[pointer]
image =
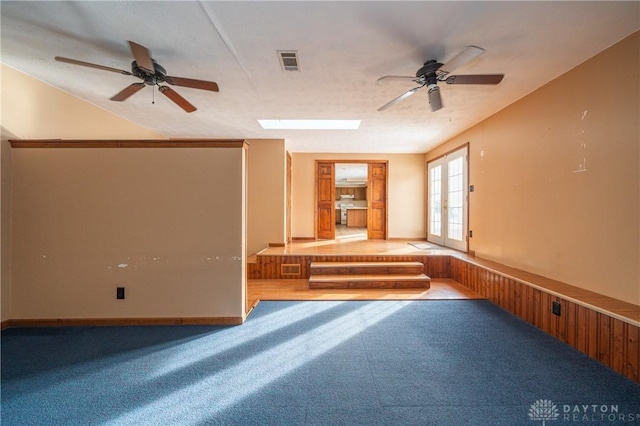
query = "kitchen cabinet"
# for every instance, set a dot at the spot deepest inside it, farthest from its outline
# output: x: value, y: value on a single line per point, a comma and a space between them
x: 358, y: 193
x: 338, y: 216
x: 357, y: 217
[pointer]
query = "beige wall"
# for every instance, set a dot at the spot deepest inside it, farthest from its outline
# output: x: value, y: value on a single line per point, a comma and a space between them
x: 78, y: 214
x: 86, y: 221
x: 556, y: 176
x: 406, y: 194
x: 30, y: 109
x: 267, y: 184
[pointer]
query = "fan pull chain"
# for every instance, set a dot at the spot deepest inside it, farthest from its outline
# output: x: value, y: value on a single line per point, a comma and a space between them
x: 153, y: 97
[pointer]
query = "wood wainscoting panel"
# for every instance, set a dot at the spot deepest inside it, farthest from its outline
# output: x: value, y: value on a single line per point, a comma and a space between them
x: 606, y: 338
x: 632, y: 360
x: 270, y: 267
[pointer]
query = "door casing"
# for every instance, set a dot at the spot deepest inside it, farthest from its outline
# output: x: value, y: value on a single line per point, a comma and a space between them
x: 444, y: 208
x: 377, y: 196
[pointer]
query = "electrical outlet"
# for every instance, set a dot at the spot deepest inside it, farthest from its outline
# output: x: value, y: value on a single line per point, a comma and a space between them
x: 472, y: 188
x: 119, y: 292
x: 556, y: 308
x: 470, y: 234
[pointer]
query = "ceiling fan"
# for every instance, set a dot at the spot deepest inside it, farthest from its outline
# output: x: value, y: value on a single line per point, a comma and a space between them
x: 152, y: 74
x: 432, y: 72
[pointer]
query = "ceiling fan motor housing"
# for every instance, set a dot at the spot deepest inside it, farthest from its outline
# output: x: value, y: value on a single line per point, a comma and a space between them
x: 158, y: 76
x: 429, y: 67
x: 428, y: 72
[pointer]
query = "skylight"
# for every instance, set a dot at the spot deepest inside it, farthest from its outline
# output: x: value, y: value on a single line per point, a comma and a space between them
x: 310, y: 124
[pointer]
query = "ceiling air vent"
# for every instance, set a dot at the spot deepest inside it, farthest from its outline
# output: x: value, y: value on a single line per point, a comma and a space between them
x: 289, y: 60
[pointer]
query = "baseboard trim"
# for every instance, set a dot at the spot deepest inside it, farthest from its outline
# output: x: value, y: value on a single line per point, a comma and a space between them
x: 93, y: 322
x: 303, y: 239
x: 277, y: 244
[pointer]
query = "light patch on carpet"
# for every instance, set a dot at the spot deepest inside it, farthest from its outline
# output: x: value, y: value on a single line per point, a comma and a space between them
x: 184, y: 355
x: 240, y: 380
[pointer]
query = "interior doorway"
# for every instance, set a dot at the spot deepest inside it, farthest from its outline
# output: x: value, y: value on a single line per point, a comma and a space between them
x: 351, y: 199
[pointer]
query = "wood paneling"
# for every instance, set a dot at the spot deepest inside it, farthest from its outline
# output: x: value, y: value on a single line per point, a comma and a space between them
x: 268, y: 267
x: 632, y: 358
x: 611, y: 340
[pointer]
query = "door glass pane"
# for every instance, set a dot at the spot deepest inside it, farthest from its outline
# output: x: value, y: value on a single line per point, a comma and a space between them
x: 435, y: 197
x: 455, y: 198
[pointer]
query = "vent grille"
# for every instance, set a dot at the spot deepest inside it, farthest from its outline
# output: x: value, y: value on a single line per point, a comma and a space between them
x: 289, y: 60
x: 290, y: 269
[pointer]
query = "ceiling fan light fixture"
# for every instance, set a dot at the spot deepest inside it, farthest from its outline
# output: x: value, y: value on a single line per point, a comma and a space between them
x: 434, y: 97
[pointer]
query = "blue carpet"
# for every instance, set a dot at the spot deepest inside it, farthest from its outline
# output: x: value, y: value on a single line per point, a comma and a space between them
x: 313, y: 363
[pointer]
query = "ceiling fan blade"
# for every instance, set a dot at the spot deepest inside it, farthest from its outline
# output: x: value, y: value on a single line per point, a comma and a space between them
x: 434, y: 98
x: 193, y: 83
x: 142, y: 55
x: 175, y: 97
x: 128, y: 91
x: 396, y: 78
x: 475, y: 79
x: 90, y: 65
x: 405, y: 95
x: 467, y: 54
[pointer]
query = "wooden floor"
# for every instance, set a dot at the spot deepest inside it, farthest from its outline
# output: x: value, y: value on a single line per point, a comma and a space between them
x: 441, y: 288
x: 358, y: 245
x: 298, y: 289
x: 344, y: 231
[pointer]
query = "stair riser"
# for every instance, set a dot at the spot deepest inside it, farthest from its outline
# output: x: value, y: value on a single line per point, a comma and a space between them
x: 370, y: 284
x: 366, y: 270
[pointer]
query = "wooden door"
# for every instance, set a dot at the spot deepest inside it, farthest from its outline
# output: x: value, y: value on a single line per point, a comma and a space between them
x: 377, y: 202
x: 288, y: 189
x: 325, y: 201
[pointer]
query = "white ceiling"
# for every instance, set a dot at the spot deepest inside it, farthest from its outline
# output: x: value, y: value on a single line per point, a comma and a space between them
x: 348, y: 172
x: 343, y: 48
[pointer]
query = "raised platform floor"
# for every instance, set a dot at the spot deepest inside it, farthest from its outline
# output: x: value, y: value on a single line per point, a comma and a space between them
x: 437, y: 265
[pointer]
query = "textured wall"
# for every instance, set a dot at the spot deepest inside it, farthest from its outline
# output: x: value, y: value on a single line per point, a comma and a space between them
x: 557, y: 181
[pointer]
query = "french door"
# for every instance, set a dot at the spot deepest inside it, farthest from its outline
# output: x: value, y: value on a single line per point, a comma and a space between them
x: 448, y: 198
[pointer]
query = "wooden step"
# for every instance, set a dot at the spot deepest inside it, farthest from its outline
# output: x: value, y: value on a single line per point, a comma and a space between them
x: 360, y: 268
x: 363, y: 281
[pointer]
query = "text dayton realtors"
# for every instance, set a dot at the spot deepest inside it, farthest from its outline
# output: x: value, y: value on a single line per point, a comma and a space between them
x: 596, y: 413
